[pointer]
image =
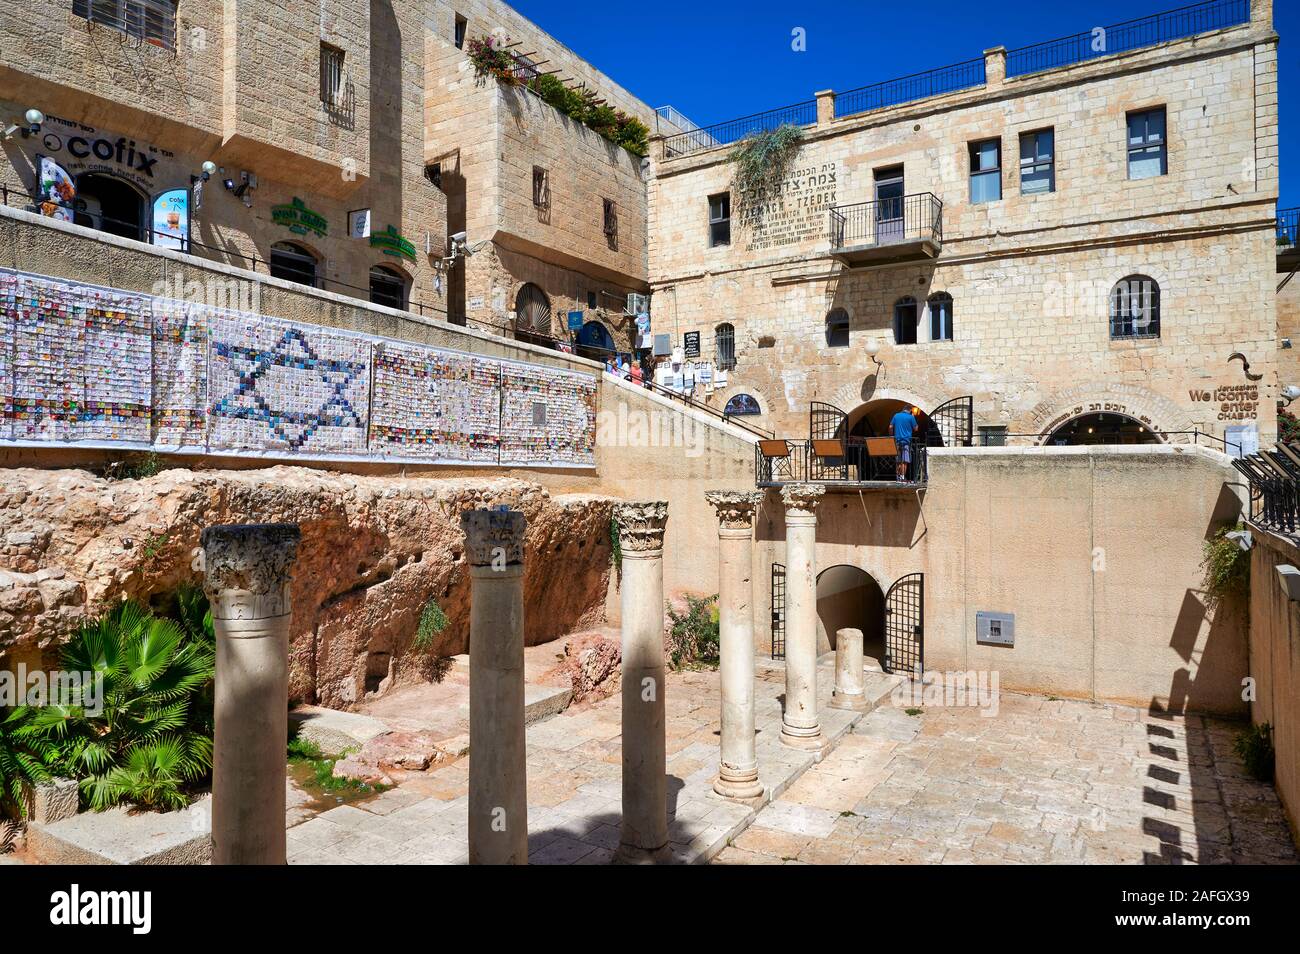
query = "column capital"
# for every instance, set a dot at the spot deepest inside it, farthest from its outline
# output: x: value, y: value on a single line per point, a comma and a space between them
x: 494, y: 538
x: 249, y: 558
x: 802, y: 497
x: 735, y: 507
x: 641, y: 525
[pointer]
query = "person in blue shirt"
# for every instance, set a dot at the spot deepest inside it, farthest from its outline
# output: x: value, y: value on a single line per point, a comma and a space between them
x: 902, y: 427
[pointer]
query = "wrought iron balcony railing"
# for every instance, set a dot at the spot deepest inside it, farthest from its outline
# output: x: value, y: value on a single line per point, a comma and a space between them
x: 908, y: 218
x: 1274, y: 478
x: 851, y: 461
x: 1288, y: 230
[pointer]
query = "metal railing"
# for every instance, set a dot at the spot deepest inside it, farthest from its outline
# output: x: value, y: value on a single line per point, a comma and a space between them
x: 1274, y: 478
x: 722, y: 134
x: 1129, y: 35
x: 802, y: 464
x: 907, y: 89
x: 908, y: 218
x: 150, y: 21
x: 711, y: 411
x: 1288, y: 229
x: 1003, y: 439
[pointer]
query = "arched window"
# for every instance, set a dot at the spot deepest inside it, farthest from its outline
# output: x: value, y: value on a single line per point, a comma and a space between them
x: 387, y: 287
x: 532, y: 311
x: 724, y: 344
x: 940, y: 317
x: 293, y: 263
x: 837, y: 329
x: 905, y: 321
x: 1135, y: 308
x: 741, y: 405
x: 109, y: 204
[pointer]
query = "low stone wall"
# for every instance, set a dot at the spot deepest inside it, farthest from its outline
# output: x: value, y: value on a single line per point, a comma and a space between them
x: 1275, y: 661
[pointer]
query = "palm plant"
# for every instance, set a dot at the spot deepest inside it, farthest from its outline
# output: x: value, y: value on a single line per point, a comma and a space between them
x: 147, y: 674
x: 24, y: 756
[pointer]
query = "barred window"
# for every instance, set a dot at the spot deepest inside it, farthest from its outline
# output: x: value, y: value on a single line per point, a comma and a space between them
x: 541, y: 188
x: 151, y: 21
x: 611, y: 223
x: 724, y: 343
x: 1135, y: 308
x: 331, y: 75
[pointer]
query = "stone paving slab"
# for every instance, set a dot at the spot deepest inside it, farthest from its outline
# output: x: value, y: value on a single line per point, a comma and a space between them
x: 575, y: 789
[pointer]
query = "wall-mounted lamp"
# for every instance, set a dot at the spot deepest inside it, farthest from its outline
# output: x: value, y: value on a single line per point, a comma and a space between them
x: 30, y: 126
x: 873, y: 349
x: 208, y: 168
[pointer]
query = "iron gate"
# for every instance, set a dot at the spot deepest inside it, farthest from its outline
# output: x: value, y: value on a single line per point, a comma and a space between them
x: 826, y: 422
x: 905, y: 625
x: 778, y: 610
x: 953, y: 423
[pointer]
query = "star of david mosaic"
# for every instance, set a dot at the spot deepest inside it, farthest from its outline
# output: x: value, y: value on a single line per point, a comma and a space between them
x: 290, y: 388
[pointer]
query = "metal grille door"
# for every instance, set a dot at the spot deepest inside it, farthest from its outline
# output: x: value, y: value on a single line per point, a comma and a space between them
x: 905, y: 625
x: 778, y: 611
x: 953, y: 423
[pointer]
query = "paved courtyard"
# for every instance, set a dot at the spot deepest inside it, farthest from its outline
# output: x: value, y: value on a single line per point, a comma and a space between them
x: 1043, y: 781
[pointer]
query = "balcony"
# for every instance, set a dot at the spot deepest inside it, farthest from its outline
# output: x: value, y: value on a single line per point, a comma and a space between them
x: 850, y: 464
x: 1288, y: 239
x: 889, y: 231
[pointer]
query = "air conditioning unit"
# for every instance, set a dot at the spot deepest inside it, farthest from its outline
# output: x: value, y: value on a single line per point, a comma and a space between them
x: 637, y: 304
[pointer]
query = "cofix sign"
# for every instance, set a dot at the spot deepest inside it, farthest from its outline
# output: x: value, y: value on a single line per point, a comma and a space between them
x: 81, y: 148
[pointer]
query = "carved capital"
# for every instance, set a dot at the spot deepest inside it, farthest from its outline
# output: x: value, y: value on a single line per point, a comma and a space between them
x: 246, y: 569
x: 641, y: 525
x: 494, y: 538
x: 802, y: 497
x: 735, y: 507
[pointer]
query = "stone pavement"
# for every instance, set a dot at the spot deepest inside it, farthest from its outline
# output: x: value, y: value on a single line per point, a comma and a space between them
x: 574, y: 785
x: 1043, y: 781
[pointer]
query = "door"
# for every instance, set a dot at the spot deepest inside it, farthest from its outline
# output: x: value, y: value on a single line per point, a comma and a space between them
x: 889, y: 206
x: 952, y: 423
x: 778, y: 610
x: 905, y: 625
x: 828, y: 423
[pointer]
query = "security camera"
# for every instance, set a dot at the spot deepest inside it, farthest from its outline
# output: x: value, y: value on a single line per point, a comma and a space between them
x: 458, y: 238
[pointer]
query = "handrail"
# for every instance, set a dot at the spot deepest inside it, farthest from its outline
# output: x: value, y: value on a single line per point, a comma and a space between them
x: 910, y: 88
x: 754, y: 429
x: 733, y: 130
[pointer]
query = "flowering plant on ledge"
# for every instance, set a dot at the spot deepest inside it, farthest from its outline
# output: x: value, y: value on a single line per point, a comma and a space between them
x: 491, y: 58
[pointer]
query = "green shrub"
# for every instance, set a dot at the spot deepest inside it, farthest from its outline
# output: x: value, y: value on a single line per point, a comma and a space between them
x: 432, y: 622
x: 763, y: 161
x: 1226, y: 567
x: 693, y: 639
x: 24, y: 757
x: 1254, y: 746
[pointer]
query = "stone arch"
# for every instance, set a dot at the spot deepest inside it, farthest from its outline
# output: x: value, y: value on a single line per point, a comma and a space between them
x: 1156, y: 412
x: 850, y: 596
x: 722, y: 396
x: 850, y: 397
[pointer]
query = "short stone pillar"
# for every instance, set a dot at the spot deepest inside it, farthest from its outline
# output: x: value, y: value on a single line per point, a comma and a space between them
x: 644, y: 836
x: 800, y: 727
x: 738, y: 763
x: 246, y: 578
x: 498, y: 780
x: 825, y: 106
x: 995, y: 66
x: 850, y: 687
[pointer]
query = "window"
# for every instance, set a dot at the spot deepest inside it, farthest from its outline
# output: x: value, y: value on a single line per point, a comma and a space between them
x: 387, y: 287
x: 152, y: 21
x: 742, y: 405
x: 1135, y: 308
x: 433, y: 172
x: 940, y: 317
x: 724, y: 343
x: 1037, y: 162
x: 293, y: 263
x: 462, y: 25
x: 541, y: 188
x: 986, y: 170
x: 719, y: 219
x: 1147, y: 150
x: 611, y: 223
x: 591, y: 300
x: 837, y: 329
x: 993, y: 436
x: 331, y: 75
x: 905, y: 321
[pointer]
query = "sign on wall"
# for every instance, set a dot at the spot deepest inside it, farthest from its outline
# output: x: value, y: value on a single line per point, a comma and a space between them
x: 171, y: 220
x: 391, y: 242
x: 359, y: 223
x: 692, y: 342
x: 79, y: 148
x: 298, y: 219
x: 798, y: 211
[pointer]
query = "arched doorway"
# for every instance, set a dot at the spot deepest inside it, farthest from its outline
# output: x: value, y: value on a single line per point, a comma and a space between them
x: 387, y: 287
x: 533, y: 315
x: 849, y: 598
x: 293, y: 263
x: 1102, y: 428
x: 595, y: 342
x: 109, y: 204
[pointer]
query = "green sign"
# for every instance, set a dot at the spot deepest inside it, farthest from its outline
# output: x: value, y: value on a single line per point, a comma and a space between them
x: 393, y: 243
x: 299, y: 219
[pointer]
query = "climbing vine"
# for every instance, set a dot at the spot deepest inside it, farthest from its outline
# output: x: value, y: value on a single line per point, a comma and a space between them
x: 1226, y: 566
x: 763, y: 161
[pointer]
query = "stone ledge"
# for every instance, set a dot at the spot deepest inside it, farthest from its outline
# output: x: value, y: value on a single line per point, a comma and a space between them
x: 121, y: 836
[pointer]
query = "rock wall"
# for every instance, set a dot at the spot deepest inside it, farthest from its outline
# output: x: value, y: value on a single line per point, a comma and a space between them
x: 375, y: 550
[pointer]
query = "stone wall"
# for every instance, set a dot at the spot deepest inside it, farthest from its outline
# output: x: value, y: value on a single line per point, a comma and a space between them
x: 1095, y: 550
x: 1275, y: 660
x: 1030, y: 276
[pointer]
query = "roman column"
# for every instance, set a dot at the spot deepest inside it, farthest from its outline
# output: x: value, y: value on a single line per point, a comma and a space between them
x: 246, y: 578
x: 850, y: 687
x: 738, y: 764
x: 498, y: 781
x: 644, y: 836
x: 799, y: 725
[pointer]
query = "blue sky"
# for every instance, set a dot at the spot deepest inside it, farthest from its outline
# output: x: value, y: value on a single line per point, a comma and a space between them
x: 725, y: 59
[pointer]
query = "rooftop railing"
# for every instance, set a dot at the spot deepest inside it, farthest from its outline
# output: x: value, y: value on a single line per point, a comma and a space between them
x: 724, y: 134
x: 907, y: 89
x: 1129, y: 35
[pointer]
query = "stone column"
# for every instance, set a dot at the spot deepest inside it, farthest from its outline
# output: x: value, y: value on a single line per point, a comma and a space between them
x: 995, y: 66
x: 799, y: 725
x: 644, y: 836
x: 498, y: 781
x: 738, y: 766
x: 850, y: 687
x: 246, y: 578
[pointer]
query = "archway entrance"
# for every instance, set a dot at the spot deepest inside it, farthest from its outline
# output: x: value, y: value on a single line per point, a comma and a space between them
x: 872, y: 419
x: 848, y: 597
x: 109, y: 204
x: 595, y: 342
x: 1103, y: 428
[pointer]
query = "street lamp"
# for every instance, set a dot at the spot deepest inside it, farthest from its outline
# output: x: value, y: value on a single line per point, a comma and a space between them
x: 873, y: 349
x: 34, y: 119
